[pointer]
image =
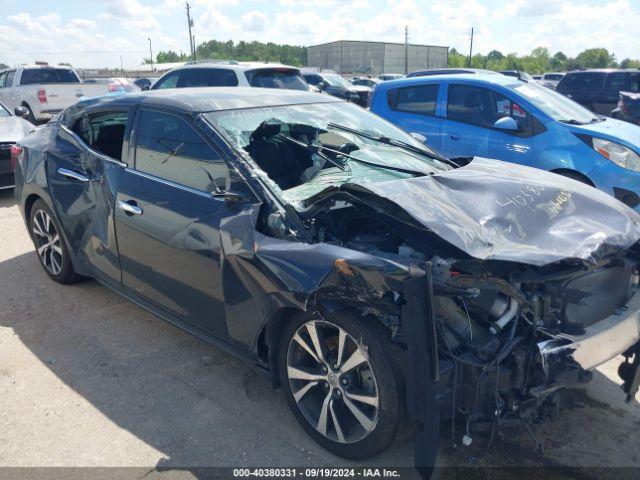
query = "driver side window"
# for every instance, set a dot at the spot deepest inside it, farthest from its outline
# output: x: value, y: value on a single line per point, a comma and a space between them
x: 169, y: 148
x: 483, y: 107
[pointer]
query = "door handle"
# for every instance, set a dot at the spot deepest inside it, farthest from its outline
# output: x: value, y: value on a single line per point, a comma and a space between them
x: 73, y: 175
x: 130, y: 207
x: 454, y: 136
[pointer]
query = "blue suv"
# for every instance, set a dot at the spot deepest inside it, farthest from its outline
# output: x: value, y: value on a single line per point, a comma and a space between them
x: 507, y: 119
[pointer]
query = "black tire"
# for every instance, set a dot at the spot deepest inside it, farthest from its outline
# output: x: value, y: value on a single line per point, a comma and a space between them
x: 55, y: 258
x: 388, y: 413
x: 30, y: 116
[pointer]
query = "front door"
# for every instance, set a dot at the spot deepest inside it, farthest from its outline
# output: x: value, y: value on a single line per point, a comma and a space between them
x: 167, y: 221
x: 469, y: 129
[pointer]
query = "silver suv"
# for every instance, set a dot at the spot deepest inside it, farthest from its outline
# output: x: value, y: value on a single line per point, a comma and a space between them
x: 212, y: 73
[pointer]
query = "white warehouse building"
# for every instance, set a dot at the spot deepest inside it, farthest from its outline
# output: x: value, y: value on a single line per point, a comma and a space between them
x: 359, y: 57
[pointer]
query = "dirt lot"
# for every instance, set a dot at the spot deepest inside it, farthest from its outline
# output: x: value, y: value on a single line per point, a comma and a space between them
x: 88, y: 379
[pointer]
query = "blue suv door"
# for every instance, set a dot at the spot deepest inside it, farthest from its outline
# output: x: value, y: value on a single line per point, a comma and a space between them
x: 471, y: 113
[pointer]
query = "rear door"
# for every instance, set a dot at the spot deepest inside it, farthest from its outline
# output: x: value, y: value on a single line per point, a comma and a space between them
x: 414, y: 109
x: 469, y: 130
x: 167, y: 220
x: 84, y: 164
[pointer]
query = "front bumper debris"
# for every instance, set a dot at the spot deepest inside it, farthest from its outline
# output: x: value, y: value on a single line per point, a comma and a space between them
x: 599, y: 343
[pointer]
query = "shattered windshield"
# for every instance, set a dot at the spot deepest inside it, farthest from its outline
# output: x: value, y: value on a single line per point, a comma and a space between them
x: 305, y: 149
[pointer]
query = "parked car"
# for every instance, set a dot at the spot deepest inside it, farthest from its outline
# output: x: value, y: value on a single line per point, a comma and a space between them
x: 43, y: 90
x: 536, y: 77
x: 367, y: 274
x: 599, y: 89
x: 366, y: 82
x: 213, y: 73
x: 335, y: 85
x: 519, y: 74
x: 389, y: 76
x: 497, y: 117
x: 12, y: 128
x: 551, y: 79
x: 449, y: 71
x: 145, y: 83
x: 628, y: 108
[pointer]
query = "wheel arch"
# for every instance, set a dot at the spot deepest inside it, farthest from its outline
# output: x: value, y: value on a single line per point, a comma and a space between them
x: 269, y: 337
x: 576, y: 175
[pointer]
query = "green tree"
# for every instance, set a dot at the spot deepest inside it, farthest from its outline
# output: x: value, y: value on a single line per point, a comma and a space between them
x: 595, y: 58
x: 558, y: 62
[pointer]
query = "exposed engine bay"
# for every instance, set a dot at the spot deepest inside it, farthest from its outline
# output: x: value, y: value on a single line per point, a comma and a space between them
x: 505, y: 330
x: 535, y: 278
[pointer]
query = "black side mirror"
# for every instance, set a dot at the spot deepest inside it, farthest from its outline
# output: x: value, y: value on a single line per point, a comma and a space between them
x: 231, y: 197
x: 21, y: 111
x: 145, y: 87
x: 321, y: 86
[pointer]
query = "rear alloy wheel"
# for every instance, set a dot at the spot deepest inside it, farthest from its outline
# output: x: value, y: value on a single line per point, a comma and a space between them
x: 341, y: 389
x: 50, y: 246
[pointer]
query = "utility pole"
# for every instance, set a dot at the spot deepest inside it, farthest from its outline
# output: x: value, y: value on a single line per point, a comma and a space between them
x: 406, y: 49
x: 471, y: 47
x: 194, y: 47
x: 150, y: 53
x: 190, y: 24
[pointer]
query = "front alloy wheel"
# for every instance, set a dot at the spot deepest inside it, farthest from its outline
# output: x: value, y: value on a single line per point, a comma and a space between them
x: 340, y: 384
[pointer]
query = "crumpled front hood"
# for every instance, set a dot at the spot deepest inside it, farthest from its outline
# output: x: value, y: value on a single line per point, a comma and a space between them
x: 494, y: 210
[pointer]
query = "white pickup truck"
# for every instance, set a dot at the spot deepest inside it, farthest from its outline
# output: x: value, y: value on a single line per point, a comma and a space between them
x: 43, y: 90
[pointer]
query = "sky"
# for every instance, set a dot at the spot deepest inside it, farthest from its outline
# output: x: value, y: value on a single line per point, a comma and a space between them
x: 111, y: 33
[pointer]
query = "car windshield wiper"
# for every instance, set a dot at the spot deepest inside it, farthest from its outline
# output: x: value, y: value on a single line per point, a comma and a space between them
x: 319, y: 149
x: 394, y: 142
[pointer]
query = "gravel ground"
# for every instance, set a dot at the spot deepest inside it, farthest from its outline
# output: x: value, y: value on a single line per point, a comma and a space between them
x: 88, y: 379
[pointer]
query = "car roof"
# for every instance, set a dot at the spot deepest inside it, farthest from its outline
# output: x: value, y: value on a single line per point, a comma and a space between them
x: 207, y: 99
x: 478, y: 78
x: 604, y: 70
x: 451, y: 70
x: 232, y: 65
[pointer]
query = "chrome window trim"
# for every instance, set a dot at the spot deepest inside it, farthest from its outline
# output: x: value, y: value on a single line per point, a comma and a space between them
x: 169, y: 183
x: 93, y: 152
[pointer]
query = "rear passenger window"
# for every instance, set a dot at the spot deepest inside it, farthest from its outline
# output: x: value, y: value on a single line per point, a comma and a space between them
x: 207, y: 77
x: 103, y: 132
x: 621, y: 81
x: 169, y: 148
x: 276, y: 78
x: 420, y: 99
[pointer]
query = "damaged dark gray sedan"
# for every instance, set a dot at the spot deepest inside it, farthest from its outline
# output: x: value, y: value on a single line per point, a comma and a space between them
x: 374, y: 279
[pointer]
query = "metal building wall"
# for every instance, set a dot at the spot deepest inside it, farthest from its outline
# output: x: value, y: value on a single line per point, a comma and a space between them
x: 353, y: 57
